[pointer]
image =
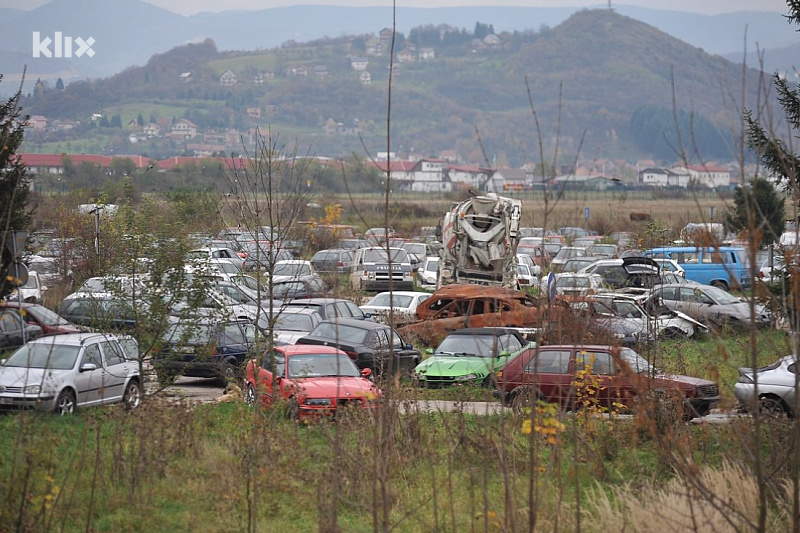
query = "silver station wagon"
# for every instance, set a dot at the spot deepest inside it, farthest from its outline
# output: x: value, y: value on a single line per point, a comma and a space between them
x: 60, y: 373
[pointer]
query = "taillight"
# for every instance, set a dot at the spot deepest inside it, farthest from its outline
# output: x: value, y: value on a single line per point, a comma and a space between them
x: 760, y: 274
x: 353, y: 355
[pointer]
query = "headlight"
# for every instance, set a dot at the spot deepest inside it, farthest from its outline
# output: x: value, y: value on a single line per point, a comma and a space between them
x: 467, y: 377
x: 318, y: 401
x: 32, y: 389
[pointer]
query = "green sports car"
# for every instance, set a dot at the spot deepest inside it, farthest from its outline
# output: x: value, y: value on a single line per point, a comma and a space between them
x: 472, y: 355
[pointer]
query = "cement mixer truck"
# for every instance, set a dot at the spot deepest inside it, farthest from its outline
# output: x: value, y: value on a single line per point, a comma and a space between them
x: 480, y: 237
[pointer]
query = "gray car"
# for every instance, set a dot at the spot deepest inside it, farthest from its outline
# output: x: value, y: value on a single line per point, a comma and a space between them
x: 709, y: 305
x: 776, y: 391
x: 60, y: 373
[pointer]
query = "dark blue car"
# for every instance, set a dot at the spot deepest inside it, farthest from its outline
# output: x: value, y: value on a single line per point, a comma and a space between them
x: 206, y: 349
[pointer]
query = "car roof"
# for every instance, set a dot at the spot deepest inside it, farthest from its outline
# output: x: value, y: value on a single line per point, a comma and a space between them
x: 496, y: 331
x: 73, y: 339
x: 316, y: 301
x: 354, y: 322
x: 404, y: 293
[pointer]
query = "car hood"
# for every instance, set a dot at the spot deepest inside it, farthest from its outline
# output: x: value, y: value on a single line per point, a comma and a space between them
x: 337, y: 387
x: 15, y: 376
x: 289, y: 337
x: 443, y: 365
x: 686, y: 380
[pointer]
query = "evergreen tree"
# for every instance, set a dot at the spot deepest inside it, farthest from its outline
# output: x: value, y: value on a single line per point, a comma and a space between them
x: 14, y: 182
x: 59, y: 84
x: 759, y: 199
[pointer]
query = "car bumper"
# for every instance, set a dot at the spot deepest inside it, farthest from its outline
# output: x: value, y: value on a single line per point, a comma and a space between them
x: 381, y: 286
x: 702, y: 406
x: 203, y: 369
x: 21, y: 403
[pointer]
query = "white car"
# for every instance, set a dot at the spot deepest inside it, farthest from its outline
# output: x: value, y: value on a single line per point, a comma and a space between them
x: 404, y: 304
x: 525, y: 259
x: 428, y: 273
x: 32, y: 291
x: 290, y: 323
x: 207, y: 253
x: 525, y: 277
x: 289, y: 269
x: 60, y: 373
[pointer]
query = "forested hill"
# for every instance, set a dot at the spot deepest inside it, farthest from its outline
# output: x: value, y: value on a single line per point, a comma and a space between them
x: 598, y: 70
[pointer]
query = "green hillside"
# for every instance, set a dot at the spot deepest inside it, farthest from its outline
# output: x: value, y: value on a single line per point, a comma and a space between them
x: 594, y: 71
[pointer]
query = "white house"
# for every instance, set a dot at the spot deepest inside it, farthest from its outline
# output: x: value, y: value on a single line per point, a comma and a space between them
x: 664, y: 177
x: 359, y: 63
x: 183, y: 129
x: 710, y: 175
x: 227, y: 79
x: 426, y: 54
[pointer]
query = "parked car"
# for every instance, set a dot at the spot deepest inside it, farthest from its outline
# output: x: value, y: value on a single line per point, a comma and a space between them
x: 404, y: 304
x: 333, y: 261
x: 573, y: 232
x: 472, y: 355
x: 15, y: 331
x: 60, y: 373
x: 455, y: 307
x: 207, y: 253
x: 290, y: 323
x: 564, y: 254
x: 50, y: 321
x: 289, y: 269
x: 352, y: 244
x: 776, y: 391
x: 663, y: 322
x: 378, y: 236
x: 102, y: 312
x: 725, y: 267
x: 576, y: 264
x: 418, y: 251
x: 712, y: 306
x: 428, y: 273
x: 378, y: 269
x: 578, y: 284
x: 370, y: 344
x: 619, y: 376
x: 260, y: 255
x: 205, y: 348
x: 330, y: 307
x: 305, y: 287
x: 603, y: 250
x: 32, y: 291
x: 636, y: 272
x: 314, y: 380
x: 525, y: 277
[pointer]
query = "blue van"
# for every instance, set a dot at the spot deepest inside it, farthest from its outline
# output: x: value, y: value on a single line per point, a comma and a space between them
x: 725, y: 267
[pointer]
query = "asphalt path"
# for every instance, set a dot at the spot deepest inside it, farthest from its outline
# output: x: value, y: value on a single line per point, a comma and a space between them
x: 199, y: 390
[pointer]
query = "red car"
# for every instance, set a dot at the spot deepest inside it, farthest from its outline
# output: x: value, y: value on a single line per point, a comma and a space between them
x: 316, y: 380
x: 50, y: 322
x: 612, y: 376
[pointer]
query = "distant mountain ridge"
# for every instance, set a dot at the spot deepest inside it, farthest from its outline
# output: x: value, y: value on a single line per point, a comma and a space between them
x: 588, y: 76
x: 129, y: 32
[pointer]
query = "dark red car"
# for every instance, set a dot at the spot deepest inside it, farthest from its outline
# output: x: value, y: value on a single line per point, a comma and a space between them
x: 611, y: 376
x: 51, y: 322
x: 316, y: 381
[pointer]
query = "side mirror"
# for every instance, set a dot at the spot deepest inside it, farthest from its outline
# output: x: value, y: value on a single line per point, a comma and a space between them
x: 408, y: 346
x: 88, y: 367
x: 366, y: 373
x: 367, y: 315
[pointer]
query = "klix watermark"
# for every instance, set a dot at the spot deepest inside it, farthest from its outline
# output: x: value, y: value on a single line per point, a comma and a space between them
x: 62, y: 46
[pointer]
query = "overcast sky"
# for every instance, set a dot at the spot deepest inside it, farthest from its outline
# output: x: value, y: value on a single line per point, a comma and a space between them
x: 710, y: 7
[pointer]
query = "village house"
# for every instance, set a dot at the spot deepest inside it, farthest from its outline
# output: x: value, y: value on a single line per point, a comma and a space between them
x: 254, y: 112
x: 468, y: 176
x: 359, y: 63
x: 663, y: 177
x: 710, y: 175
x: 365, y: 78
x: 228, y: 79
x: 38, y: 122
x: 385, y: 35
x: 320, y: 71
x: 152, y: 130
x: 405, y: 56
x: 185, y: 77
x: 374, y: 49
x: 183, y: 129
x: 426, y: 54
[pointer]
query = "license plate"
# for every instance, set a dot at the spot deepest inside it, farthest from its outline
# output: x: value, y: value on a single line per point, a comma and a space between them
x: 6, y: 401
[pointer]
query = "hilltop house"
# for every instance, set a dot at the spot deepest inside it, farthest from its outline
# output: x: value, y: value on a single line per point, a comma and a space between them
x: 227, y: 79
x: 359, y: 63
x: 425, y: 54
x: 183, y: 129
x: 38, y: 122
x: 365, y: 78
x: 405, y: 56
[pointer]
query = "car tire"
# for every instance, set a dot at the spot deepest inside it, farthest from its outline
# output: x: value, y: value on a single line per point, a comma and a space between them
x: 771, y: 406
x: 229, y: 373
x: 524, y: 400
x: 250, y: 395
x: 720, y: 285
x: 672, y: 333
x: 293, y: 410
x: 133, y: 395
x: 66, y: 403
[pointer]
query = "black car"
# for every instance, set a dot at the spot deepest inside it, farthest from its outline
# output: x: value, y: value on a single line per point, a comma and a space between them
x: 102, y: 312
x: 14, y: 331
x: 205, y: 349
x: 303, y: 287
x: 370, y: 344
x: 330, y: 307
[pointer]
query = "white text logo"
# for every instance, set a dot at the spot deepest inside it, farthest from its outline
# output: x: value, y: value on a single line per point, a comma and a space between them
x: 62, y: 46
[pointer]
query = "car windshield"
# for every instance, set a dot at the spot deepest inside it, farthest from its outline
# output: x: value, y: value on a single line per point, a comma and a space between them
x: 720, y: 296
x: 432, y: 265
x: 376, y: 255
x: 573, y: 282
x: 637, y: 363
x: 294, y: 322
x: 321, y: 365
x: 288, y: 289
x: 475, y: 345
x: 382, y: 300
x: 340, y: 333
x: 187, y: 332
x: 292, y: 269
x: 44, y: 355
x: 568, y: 253
x: 47, y: 317
x: 32, y: 283
x: 418, y: 249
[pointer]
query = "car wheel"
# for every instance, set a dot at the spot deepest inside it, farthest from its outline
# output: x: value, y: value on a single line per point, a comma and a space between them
x: 672, y: 333
x: 720, y: 285
x: 228, y: 373
x: 523, y: 401
x: 293, y: 411
x: 65, y: 404
x: 133, y: 396
x: 250, y: 395
x: 489, y: 382
x: 771, y: 406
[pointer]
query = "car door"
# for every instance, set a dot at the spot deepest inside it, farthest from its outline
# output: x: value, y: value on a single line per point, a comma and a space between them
x: 11, y: 328
x: 694, y: 303
x: 116, y: 372
x: 599, y: 381
x: 550, y: 373
x: 406, y: 358
x: 89, y: 381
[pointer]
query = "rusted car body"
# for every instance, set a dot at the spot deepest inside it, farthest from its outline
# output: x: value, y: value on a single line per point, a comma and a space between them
x: 455, y: 307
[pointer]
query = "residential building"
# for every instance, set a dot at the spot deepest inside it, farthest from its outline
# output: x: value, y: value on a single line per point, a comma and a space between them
x: 365, y: 78
x: 183, y: 129
x: 227, y: 79
x: 426, y: 54
x: 359, y: 63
